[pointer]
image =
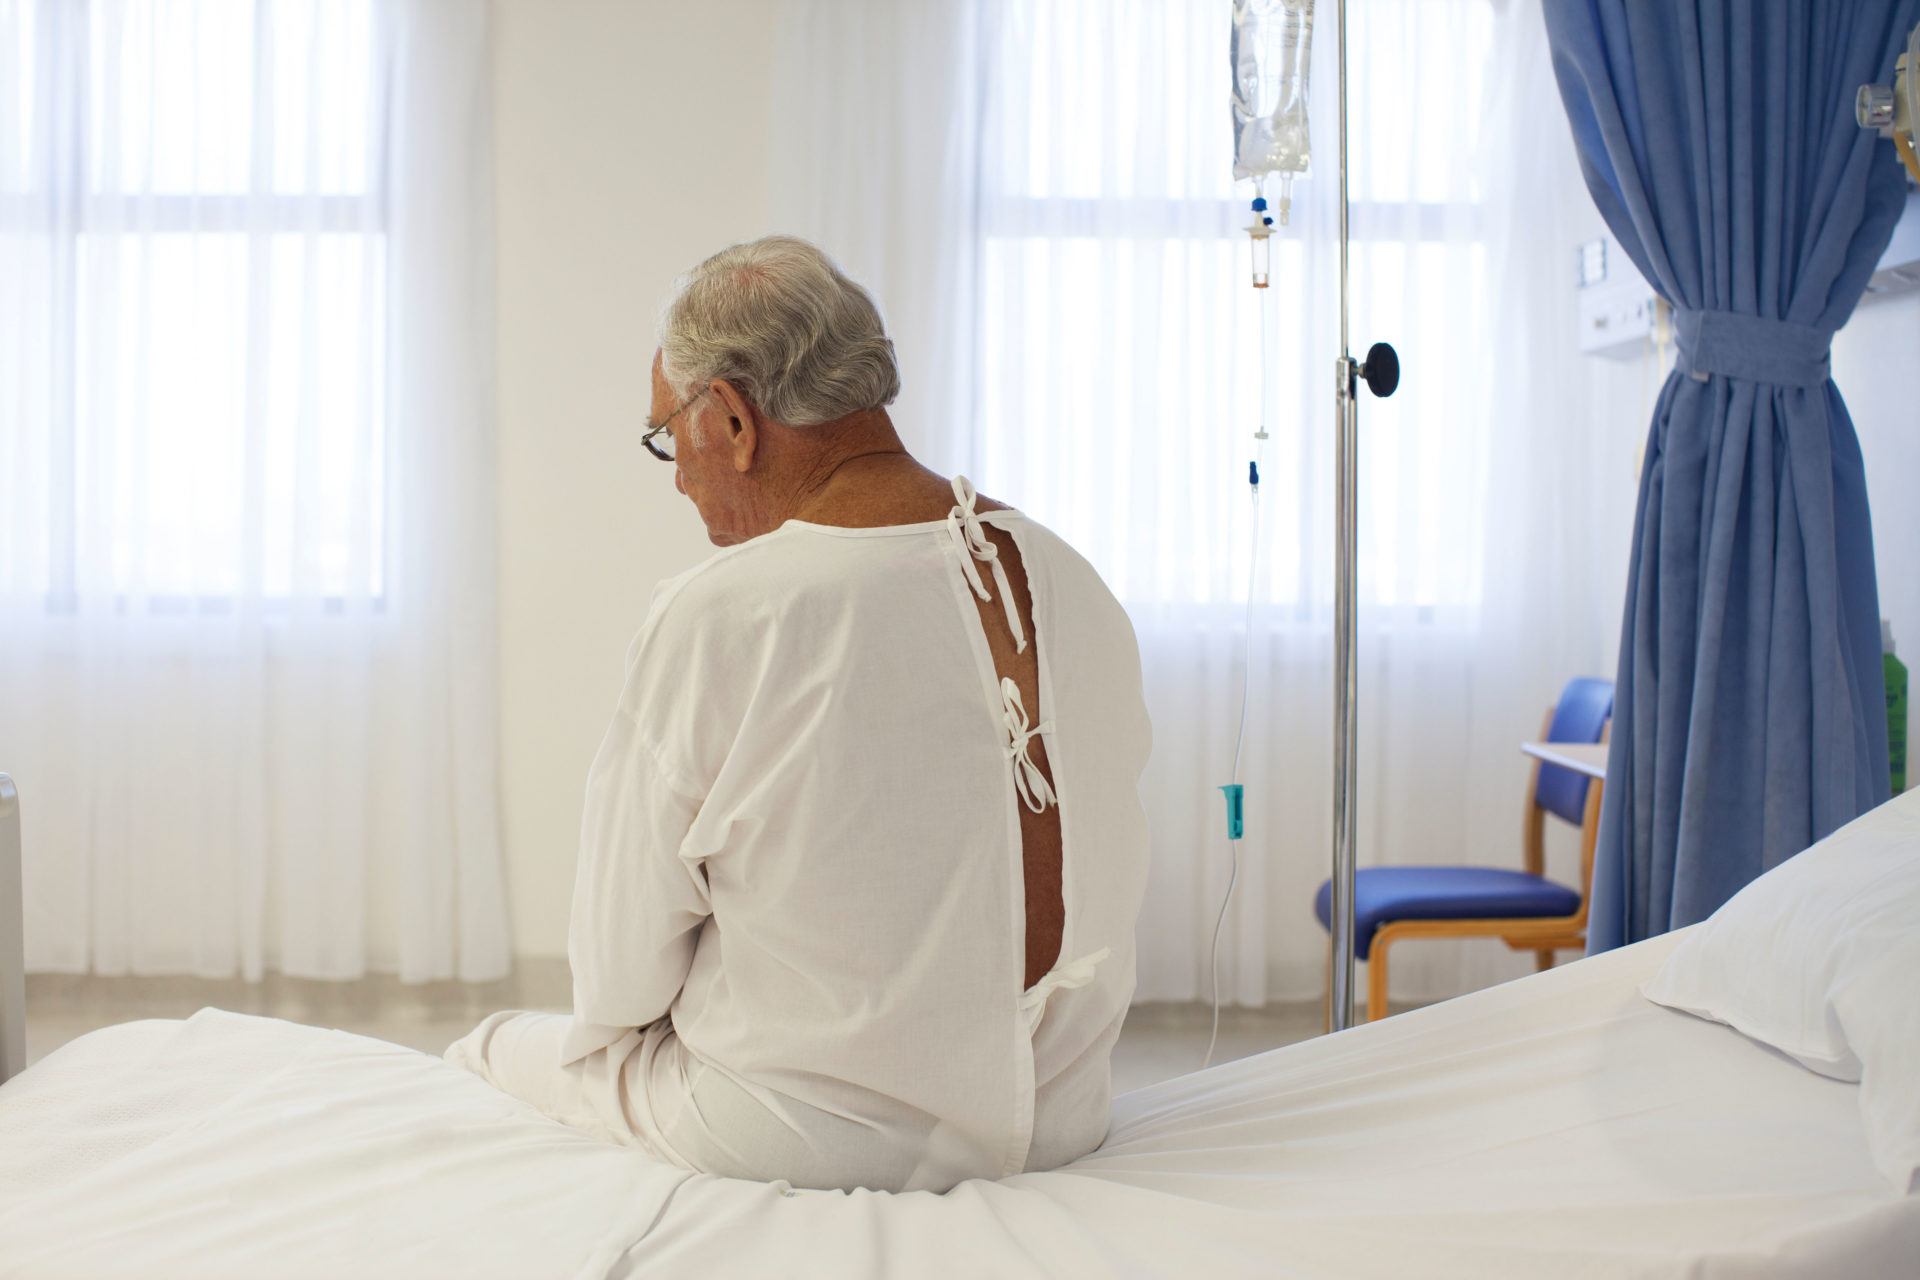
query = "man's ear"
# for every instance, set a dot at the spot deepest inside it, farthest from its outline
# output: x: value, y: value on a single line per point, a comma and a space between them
x: 742, y: 427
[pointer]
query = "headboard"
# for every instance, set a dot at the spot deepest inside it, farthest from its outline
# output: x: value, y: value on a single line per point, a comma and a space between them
x: 13, y: 979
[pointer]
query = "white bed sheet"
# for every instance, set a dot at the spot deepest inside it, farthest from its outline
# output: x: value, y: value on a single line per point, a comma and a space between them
x: 1560, y: 1125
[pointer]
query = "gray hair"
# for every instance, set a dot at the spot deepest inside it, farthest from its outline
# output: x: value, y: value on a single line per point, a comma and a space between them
x: 777, y: 319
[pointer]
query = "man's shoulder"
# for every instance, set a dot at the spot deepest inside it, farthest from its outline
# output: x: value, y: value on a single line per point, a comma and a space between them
x: 1061, y: 557
x: 750, y: 569
x: 732, y: 596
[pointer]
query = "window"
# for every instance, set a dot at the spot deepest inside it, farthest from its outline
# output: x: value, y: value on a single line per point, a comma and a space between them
x: 192, y: 219
x: 1123, y: 345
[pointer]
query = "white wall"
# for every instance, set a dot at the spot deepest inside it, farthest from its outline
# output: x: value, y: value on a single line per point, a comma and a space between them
x: 1876, y: 364
x: 630, y: 143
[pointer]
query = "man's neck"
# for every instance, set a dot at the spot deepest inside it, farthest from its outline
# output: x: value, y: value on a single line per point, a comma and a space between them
x: 848, y: 472
x: 855, y: 456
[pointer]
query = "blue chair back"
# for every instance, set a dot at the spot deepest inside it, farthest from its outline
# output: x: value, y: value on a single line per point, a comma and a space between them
x: 1585, y: 706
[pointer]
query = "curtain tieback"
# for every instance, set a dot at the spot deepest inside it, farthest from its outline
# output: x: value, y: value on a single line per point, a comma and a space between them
x: 1752, y: 347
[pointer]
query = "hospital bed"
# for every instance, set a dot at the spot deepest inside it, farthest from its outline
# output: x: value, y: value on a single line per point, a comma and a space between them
x: 1559, y: 1125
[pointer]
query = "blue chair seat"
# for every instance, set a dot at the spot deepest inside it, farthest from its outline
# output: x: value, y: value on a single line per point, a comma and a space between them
x: 1382, y: 895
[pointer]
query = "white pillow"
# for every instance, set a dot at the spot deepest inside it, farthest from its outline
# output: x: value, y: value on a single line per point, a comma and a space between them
x: 1820, y: 958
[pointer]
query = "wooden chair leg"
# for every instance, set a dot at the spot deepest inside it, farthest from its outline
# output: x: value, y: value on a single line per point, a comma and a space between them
x: 1544, y: 958
x: 1377, y: 980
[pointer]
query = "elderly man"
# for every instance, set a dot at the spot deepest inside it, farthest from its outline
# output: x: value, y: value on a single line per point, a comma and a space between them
x: 863, y: 851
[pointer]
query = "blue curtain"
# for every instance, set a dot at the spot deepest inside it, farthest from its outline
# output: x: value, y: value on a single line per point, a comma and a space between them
x: 1719, y: 142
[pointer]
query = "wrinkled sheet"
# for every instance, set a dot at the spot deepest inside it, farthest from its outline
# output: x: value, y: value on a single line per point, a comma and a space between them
x: 1560, y: 1125
x: 228, y: 1145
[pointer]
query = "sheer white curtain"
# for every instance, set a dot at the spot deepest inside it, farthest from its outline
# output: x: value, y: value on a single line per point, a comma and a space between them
x: 1080, y: 315
x: 246, y: 471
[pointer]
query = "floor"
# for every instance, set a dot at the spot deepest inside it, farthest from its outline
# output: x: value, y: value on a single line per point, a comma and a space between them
x: 1160, y: 1041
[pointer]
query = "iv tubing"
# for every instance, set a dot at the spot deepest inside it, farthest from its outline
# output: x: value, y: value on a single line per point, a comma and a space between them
x: 1246, y: 679
x: 1233, y: 846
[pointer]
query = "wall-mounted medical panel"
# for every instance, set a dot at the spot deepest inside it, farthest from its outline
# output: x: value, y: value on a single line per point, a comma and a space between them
x: 1618, y: 309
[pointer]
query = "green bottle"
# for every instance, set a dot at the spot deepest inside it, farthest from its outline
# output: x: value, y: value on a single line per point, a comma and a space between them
x: 1896, y: 709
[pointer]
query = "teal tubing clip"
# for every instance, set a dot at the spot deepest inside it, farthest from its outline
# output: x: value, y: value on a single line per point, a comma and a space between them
x: 1236, y: 810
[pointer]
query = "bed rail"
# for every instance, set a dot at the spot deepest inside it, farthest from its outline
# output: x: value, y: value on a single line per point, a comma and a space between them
x: 13, y: 980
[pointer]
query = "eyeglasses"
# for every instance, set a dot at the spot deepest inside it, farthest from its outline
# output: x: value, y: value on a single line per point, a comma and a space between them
x: 655, y: 428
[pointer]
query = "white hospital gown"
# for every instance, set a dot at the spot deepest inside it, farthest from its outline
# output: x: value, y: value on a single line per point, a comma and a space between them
x: 798, y: 936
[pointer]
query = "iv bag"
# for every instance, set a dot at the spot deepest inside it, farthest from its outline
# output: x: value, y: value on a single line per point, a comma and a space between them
x: 1271, y: 52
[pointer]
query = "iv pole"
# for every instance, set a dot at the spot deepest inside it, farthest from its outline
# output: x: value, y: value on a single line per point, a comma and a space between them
x: 1382, y: 374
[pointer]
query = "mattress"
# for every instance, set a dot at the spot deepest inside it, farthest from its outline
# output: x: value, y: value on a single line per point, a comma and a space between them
x: 1559, y: 1125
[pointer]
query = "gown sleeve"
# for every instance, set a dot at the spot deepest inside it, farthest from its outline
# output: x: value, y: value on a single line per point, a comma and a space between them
x: 638, y: 904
